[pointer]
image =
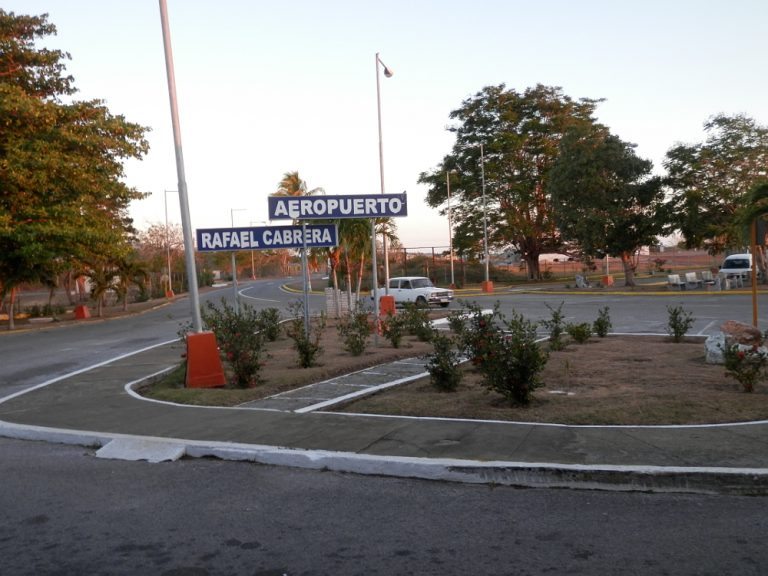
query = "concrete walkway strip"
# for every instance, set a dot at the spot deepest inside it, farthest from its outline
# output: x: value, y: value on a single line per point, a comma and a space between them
x: 359, y: 393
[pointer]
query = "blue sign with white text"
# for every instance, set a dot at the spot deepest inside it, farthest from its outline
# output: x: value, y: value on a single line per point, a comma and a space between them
x: 335, y: 207
x: 267, y: 238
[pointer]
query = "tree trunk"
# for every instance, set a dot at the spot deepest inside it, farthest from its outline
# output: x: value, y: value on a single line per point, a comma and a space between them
x: 68, y: 288
x: 532, y: 263
x: 348, y: 277
x: 360, y: 275
x: 335, y: 284
x: 629, y: 271
x: 11, y: 306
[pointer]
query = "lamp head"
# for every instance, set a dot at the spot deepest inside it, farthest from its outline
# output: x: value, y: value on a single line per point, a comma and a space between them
x: 387, y: 72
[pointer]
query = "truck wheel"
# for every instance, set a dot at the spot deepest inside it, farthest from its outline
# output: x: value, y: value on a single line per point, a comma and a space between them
x: 444, y: 304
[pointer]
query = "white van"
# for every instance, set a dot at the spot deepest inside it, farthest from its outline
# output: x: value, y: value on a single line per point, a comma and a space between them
x: 737, y: 265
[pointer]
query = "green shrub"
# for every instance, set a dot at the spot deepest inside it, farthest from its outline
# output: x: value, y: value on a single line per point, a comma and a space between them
x: 269, y: 323
x: 555, y: 326
x: 239, y: 338
x: 33, y: 311
x: 579, y: 332
x: 679, y: 322
x: 416, y: 321
x: 393, y: 329
x: 602, y: 325
x: 457, y: 320
x: 305, y: 341
x: 476, y: 331
x: 514, y: 361
x: 443, y: 364
x: 354, y: 329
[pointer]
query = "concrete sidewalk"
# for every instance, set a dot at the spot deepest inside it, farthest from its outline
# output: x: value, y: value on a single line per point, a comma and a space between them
x: 97, y: 408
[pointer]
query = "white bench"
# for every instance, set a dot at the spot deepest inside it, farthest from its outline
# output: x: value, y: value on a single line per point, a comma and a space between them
x: 693, y: 281
x: 674, y: 282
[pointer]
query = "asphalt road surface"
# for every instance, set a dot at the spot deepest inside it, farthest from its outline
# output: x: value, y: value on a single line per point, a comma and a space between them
x: 64, y: 512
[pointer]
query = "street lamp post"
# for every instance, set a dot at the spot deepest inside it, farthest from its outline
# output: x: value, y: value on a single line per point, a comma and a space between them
x: 450, y: 224
x: 234, y: 262
x: 387, y: 74
x: 186, y: 221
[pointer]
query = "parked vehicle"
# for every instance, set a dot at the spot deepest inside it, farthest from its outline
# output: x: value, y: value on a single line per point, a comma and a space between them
x: 737, y: 265
x: 418, y: 290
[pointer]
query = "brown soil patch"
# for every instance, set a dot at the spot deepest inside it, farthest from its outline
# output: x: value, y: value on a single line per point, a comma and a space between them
x: 281, y: 371
x: 616, y: 380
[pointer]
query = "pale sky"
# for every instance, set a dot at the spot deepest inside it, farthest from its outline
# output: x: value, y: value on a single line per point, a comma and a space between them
x: 270, y: 87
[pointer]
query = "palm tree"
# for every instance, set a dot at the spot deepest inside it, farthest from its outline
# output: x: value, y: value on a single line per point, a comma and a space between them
x: 292, y: 185
x: 354, y: 242
x: 130, y: 270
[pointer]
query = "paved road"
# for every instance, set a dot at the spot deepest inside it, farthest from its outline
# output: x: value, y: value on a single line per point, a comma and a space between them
x: 29, y: 358
x: 64, y: 512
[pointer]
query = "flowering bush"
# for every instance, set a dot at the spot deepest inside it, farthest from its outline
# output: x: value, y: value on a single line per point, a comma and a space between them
x: 746, y: 365
x: 393, y: 328
x: 504, y: 351
x: 354, y: 329
x: 443, y: 364
x: 416, y: 321
x: 239, y: 338
x: 306, y: 342
x: 515, y: 360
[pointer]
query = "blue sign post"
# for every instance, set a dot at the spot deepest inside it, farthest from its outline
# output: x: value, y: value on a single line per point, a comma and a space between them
x: 337, y: 207
x: 267, y: 237
x: 367, y: 206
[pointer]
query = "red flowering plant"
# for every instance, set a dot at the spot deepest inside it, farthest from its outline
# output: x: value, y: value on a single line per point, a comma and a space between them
x: 504, y: 351
x: 240, y: 336
x: 745, y: 364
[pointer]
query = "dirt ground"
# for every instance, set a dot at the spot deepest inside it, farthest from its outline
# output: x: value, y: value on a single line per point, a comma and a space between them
x: 281, y: 372
x: 615, y: 380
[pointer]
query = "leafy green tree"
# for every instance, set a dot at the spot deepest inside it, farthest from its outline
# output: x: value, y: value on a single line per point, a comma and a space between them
x: 605, y: 198
x: 709, y: 180
x: 755, y: 208
x: 520, y: 133
x: 62, y: 202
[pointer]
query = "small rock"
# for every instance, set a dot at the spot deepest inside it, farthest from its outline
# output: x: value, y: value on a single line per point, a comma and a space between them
x: 740, y: 333
x: 714, y: 345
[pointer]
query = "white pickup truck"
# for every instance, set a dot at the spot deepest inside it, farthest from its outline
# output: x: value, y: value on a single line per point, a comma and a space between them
x: 419, y: 290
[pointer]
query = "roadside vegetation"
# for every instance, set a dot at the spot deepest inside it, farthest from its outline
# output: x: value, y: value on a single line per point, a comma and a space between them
x: 484, y: 365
